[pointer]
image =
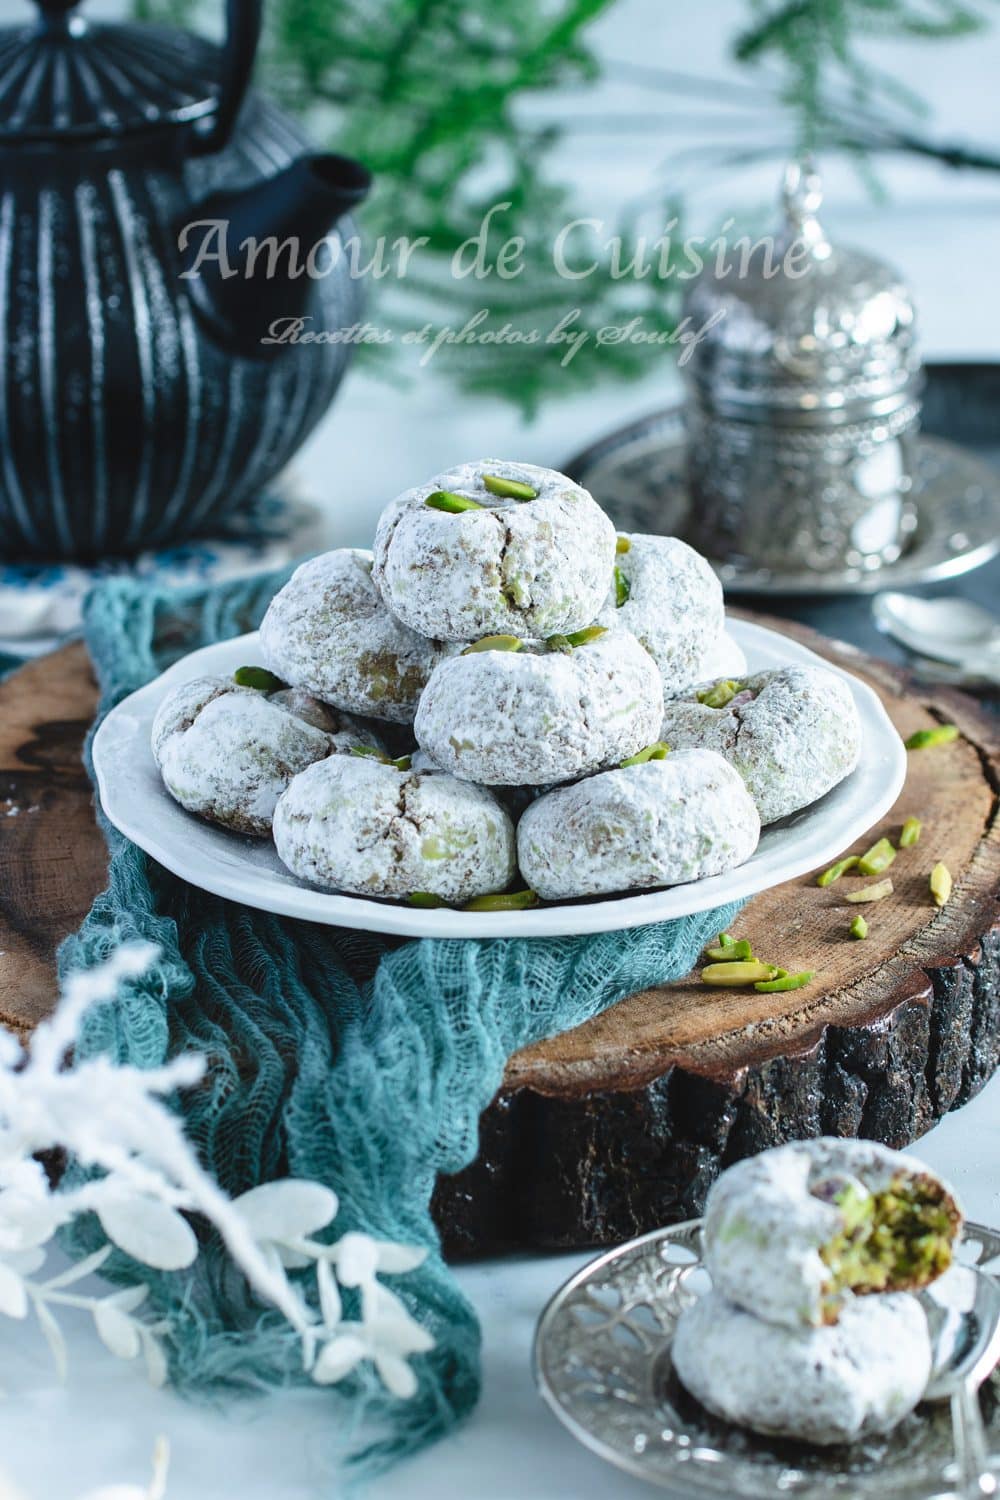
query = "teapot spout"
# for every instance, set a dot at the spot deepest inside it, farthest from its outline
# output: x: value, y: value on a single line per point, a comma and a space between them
x: 249, y: 257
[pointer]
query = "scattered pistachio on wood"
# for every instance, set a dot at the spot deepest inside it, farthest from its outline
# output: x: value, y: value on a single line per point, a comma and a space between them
x: 506, y: 901
x: 731, y: 952
x: 657, y: 751
x: 259, y: 678
x: 859, y: 927
x: 734, y: 975
x: 509, y: 489
x: 941, y: 884
x: 878, y: 858
x: 910, y: 833
x: 494, y: 643
x: 923, y: 739
x: 876, y: 892
x: 840, y: 868
x: 453, y: 504
x: 783, y: 981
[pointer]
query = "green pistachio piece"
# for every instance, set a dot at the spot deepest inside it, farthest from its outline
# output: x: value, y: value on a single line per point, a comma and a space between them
x: 494, y: 643
x: 731, y: 952
x: 623, y: 545
x: 859, y: 927
x: 840, y: 868
x: 368, y: 752
x: 785, y: 982
x: 737, y: 975
x: 506, y: 901
x: 876, y: 892
x: 726, y: 940
x: 576, y: 638
x: 453, y: 504
x: 941, y: 884
x: 910, y: 833
x: 402, y: 763
x: 259, y: 678
x: 923, y: 739
x: 622, y: 588
x: 509, y: 489
x: 657, y: 751
x: 425, y: 899
x: 878, y: 858
x: 719, y: 694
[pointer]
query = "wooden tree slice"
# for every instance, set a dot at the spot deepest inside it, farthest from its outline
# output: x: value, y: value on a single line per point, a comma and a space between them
x: 623, y: 1123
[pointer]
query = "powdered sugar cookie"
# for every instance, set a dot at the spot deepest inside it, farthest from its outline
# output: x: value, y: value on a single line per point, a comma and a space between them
x: 794, y: 1233
x: 792, y: 734
x: 328, y: 631
x: 663, y: 822
x: 356, y: 824
x: 494, y: 548
x: 535, y: 715
x: 820, y: 1385
x: 668, y: 596
x: 227, y: 753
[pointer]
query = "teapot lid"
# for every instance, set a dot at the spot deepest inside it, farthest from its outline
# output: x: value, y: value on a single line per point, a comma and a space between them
x: 811, y: 327
x: 65, y: 80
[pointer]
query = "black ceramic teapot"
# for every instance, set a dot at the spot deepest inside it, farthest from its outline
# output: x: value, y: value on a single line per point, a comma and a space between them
x: 138, y: 402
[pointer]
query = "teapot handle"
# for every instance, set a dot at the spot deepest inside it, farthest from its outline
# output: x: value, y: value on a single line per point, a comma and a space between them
x: 243, y: 26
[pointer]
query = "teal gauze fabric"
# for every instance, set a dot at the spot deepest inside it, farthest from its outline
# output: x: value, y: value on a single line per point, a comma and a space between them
x: 348, y: 1058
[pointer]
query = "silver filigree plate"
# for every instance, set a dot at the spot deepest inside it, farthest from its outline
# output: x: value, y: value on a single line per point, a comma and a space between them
x: 637, y: 474
x: 602, y: 1362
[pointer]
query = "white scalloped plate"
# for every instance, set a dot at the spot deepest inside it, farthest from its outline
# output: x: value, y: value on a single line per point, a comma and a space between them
x: 248, y: 870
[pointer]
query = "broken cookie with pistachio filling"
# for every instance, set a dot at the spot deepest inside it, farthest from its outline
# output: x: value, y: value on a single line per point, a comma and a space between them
x: 375, y: 827
x: 508, y: 712
x: 327, y: 631
x: 492, y: 548
x: 792, y: 733
x: 794, y: 1233
x: 227, y: 751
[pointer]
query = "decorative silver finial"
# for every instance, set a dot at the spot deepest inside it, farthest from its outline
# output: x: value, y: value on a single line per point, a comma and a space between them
x: 801, y: 196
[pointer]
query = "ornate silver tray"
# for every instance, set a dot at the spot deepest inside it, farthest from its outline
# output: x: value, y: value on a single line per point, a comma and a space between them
x: 602, y: 1362
x: 637, y: 474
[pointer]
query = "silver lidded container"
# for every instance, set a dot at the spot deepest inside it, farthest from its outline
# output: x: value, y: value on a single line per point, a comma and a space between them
x: 803, y: 402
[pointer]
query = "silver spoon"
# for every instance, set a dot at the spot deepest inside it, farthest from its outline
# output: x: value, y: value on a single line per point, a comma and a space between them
x: 951, y: 629
x: 963, y: 1312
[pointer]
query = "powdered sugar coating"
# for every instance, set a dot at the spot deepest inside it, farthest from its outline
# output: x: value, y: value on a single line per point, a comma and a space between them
x: 355, y: 824
x: 767, y: 1219
x: 819, y: 1385
x: 525, y: 568
x: 725, y: 657
x: 795, y: 739
x: 328, y: 631
x: 674, y: 605
x: 529, y: 717
x: 345, y: 730
x: 661, y: 823
x: 227, y: 753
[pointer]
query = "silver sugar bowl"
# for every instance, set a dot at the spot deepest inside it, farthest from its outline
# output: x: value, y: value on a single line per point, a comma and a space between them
x: 803, y: 400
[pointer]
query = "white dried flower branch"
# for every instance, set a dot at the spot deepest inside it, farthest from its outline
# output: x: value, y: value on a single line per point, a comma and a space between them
x: 111, y: 1119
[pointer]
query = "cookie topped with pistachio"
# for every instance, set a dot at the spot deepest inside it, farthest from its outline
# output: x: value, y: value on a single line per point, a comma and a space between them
x: 492, y: 548
x: 507, y: 712
x: 792, y: 733
x: 796, y: 1232
x: 329, y: 632
x: 669, y: 597
x: 376, y: 827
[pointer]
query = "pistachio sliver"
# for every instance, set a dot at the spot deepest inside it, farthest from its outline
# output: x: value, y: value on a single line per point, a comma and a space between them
x: 923, y: 739
x: 736, y: 975
x: 452, y: 503
x: 505, y: 901
x: 657, y: 751
x: 719, y: 694
x: 576, y: 638
x: 509, y: 489
x: 623, y: 545
x: 259, y: 678
x: 731, y: 952
x: 859, y: 927
x: 494, y: 643
x: 623, y: 588
x: 369, y: 752
x: 402, y: 762
x: 425, y: 899
x: 878, y: 858
x: 941, y: 883
x: 785, y: 982
x: 910, y: 833
x: 840, y: 868
x: 877, y: 892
